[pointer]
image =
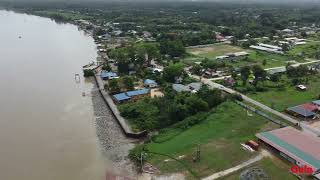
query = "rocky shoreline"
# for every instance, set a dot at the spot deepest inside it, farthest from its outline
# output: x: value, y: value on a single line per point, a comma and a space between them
x: 114, y: 144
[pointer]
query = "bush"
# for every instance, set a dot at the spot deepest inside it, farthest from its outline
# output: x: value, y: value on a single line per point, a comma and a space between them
x: 135, y: 154
x: 88, y: 73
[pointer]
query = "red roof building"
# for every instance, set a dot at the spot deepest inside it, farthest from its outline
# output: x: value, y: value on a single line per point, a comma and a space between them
x: 309, y: 107
x: 296, y: 146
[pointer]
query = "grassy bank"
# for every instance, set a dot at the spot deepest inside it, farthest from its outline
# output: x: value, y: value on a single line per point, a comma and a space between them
x: 219, y: 136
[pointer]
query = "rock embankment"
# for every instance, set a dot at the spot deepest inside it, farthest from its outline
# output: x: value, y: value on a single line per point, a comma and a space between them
x: 114, y: 144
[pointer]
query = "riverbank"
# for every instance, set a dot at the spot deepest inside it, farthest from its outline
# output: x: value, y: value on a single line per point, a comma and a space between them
x: 114, y: 144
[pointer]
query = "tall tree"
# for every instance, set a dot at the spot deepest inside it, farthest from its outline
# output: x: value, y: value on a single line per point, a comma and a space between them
x: 245, y: 73
x: 173, y: 71
x: 259, y: 74
x: 128, y: 82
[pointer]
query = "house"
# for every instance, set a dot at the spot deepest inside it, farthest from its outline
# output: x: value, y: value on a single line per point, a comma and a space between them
x: 137, y: 94
x: 270, y: 46
x: 150, y: 83
x: 120, y: 98
x: 267, y: 48
x: 297, y: 147
x: 106, y: 75
x: 310, y: 107
x: 287, y: 31
x: 229, y: 81
x: 146, y: 34
x: 131, y: 95
x: 300, y: 111
x: 232, y: 55
x: 105, y: 36
x: 195, y: 86
x: 192, y: 87
x: 180, y: 88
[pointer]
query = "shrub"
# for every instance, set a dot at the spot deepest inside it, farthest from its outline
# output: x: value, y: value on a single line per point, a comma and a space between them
x: 88, y: 73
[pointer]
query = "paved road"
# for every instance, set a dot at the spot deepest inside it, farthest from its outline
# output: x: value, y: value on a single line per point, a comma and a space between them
x: 234, y: 169
x: 305, y: 127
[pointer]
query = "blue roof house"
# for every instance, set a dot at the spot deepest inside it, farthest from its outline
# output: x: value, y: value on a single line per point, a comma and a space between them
x: 122, y: 97
x: 105, y: 75
x: 131, y: 95
x: 150, y: 83
x: 138, y: 92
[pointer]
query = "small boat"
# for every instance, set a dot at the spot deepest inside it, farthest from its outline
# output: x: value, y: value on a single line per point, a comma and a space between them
x: 20, y: 37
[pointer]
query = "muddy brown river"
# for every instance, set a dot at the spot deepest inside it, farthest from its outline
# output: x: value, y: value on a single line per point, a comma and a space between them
x: 48, y: 130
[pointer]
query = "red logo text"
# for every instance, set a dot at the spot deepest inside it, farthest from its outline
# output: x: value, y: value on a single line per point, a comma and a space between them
x: 301, y: 170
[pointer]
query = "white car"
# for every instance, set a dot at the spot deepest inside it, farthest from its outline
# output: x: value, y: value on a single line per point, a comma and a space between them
x: 302, y: 87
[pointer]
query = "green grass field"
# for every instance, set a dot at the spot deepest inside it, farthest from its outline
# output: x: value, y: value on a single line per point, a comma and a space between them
x: 281, y: 99
x: 214, y: 50
x: 308, y: 50
x: 274, y: 168
x: 219, y: 137
x: 255, y: 57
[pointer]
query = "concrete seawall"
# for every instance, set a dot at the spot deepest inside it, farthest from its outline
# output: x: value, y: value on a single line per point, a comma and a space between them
x: 115, y: 112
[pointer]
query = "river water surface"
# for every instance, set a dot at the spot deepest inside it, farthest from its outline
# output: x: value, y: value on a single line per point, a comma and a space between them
x: 47, y: 129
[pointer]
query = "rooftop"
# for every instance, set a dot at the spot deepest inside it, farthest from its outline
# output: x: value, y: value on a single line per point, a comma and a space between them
x: 106, y: 74
x: 137, y: 92
x: 301, y: 111
x: 149, y: 81
x: 302, y: 146
x: 317, y: 102
x: 121, y: 97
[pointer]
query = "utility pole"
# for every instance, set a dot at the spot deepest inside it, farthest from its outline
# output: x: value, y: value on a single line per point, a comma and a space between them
x: 141, y: 161
x: 198, y: 153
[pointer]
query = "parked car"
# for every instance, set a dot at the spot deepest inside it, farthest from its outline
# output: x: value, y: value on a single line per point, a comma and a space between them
x: 301, y: 87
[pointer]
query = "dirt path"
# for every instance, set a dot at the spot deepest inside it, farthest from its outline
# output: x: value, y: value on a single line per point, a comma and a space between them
x: 234, y: 169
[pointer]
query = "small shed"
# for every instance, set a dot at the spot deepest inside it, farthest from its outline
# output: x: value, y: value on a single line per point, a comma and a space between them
x: 106, y: 75
x: 149, y: 83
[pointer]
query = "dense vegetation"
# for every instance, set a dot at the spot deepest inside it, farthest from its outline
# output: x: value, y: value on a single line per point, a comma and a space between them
x: 157, y: 113
x: 191, y: 23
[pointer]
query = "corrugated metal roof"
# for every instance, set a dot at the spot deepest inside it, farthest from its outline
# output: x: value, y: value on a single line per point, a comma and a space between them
x: 301, y: 111
x: 180, y: 87
x: 149, y: 81
x: 137, y: 92
x: 309, y: 106
x: 317, y: 102
x: 106, y: 74
x: 301, y: 146
x: 121, y: 97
